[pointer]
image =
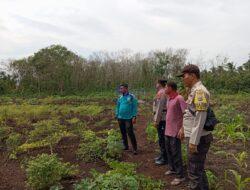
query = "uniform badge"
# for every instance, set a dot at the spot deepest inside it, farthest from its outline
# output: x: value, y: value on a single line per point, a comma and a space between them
x: 200, y: 101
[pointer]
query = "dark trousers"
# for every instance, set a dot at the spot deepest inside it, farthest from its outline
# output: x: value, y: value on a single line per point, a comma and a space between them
x: 173, y: 146
x: 126, y: 127
x: 196, y: 164
x: 161, y: 139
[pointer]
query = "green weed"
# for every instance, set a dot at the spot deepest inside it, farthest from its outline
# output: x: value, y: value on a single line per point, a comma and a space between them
x: 4, y: 132
x: 12, y: 142
x: 241, y: 159
x: 232, y: 125
x: 213, y: 181
x: 238, y: 181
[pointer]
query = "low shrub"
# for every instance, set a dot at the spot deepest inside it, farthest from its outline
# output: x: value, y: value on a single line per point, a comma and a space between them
x: 46, y: 170
x: 122, y: 176
x: 114, y: 144
x: 91, y: 147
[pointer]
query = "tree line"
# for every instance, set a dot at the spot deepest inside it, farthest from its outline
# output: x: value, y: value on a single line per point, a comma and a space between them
x: 57, y: 70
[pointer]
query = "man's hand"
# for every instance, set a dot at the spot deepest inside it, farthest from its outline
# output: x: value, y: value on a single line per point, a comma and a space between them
x: 180, y: 134
x: 192, y: 148
x: 134, y: 120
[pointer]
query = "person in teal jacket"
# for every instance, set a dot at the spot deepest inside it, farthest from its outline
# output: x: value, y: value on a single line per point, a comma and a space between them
x: 126, y: 112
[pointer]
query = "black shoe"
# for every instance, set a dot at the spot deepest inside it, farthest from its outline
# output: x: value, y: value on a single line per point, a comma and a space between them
x: 161, y: 162
x: 135, y: 152
x: 125, y: 148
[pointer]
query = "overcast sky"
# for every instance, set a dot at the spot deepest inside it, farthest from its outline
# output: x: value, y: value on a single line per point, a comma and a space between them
x: 205, y: 27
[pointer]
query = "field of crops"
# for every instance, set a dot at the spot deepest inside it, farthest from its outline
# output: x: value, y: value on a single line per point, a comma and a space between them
x: 73, y: 142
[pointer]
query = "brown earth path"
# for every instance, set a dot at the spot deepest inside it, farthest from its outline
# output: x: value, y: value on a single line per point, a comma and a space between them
x: 147, y: 151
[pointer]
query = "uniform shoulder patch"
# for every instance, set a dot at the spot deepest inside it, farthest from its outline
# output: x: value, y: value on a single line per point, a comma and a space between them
x: 200, y: 101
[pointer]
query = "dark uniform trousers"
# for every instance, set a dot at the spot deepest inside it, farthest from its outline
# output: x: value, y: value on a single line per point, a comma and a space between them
x: 126, y: 127
x: 173, y: 145
x: 196, y: 162
x: 161, y: 139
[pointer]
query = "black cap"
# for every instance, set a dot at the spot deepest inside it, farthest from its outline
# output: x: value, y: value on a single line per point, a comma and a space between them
x: 190, y: 69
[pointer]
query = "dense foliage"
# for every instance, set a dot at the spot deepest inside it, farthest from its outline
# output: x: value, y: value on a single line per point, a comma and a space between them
x: 228, y: 78
x: 56, y: 70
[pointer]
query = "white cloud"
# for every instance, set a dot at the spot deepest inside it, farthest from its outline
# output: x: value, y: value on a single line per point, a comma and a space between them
x: 213, y: 27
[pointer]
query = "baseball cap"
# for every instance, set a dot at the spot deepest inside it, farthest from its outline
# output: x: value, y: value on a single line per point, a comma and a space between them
x: 190, y: 68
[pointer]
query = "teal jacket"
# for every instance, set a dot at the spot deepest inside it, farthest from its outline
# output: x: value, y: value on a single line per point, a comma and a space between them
x: 126, y: 107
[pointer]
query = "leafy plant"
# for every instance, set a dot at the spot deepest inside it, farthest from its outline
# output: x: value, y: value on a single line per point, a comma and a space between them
x: 76, y: 126
x: 32, y: 145
x: 74, y: 121
x: 46, y: 170
x: 91, y: 148
x: 13, y: 141
x: 4, y: 131
x: 122, y: 176
x: 221, y: 153
x: 212, y: 180
x: 124, y: 168
x: 24, y: 113
x: 239, y: 182
x: 91, y: 110
x: 114, y: 144
x: 147, y: 183
x: 109, y: 180
x: 241, y: 159
x: 232, y: 125
x: 49, y: 132
x: 151, y: 132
